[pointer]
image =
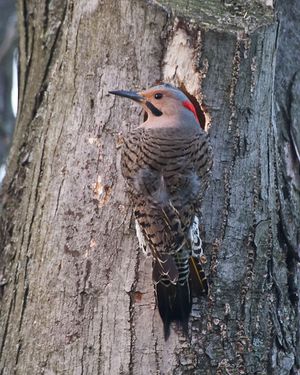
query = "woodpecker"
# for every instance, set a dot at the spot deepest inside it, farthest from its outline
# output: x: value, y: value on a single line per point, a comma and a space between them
x: 166, y: 162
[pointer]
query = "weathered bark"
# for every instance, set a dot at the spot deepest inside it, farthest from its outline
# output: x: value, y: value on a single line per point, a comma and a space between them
x: 78, y: 297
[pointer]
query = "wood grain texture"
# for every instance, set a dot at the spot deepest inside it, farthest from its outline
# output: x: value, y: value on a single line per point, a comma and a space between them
x: 79, y: 297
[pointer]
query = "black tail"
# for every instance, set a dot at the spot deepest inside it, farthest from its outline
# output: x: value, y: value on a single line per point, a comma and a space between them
x: 175, y: 300
x: 174, y: 305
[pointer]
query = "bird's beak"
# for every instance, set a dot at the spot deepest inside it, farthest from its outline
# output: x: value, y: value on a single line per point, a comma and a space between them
x: 129, y: 94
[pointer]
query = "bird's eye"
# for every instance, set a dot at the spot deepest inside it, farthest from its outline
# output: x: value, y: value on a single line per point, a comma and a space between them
x: 158, y: 95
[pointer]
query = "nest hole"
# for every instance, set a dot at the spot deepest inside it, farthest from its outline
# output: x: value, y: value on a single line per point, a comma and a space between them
x: 202, y: 117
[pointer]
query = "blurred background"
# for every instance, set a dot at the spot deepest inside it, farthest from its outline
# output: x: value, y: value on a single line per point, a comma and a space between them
x: 8, y: 77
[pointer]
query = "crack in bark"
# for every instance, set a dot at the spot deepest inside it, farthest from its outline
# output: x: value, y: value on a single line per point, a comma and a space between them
x: 44, y: 85
x: 27, y: 69
x: 19, y: 347
x: 58, y: 196
x: 25, y: 296
x: 132, y: 313
x: 100, y: 344
x: 251, y: 257
x: 232, y: 122
x: 46, y: 16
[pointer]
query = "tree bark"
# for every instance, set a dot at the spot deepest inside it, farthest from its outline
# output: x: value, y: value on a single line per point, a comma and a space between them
x: 77, y: 295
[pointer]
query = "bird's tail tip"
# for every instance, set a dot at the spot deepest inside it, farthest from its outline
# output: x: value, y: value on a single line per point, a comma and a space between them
x: 181, y: 324
x: 174, y: 305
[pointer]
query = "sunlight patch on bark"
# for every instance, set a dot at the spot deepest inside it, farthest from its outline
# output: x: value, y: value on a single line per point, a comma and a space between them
x: 179, y: 62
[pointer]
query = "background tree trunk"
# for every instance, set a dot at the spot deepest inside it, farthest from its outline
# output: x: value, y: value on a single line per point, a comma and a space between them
x: 8, y: 45
x: 77, y: 296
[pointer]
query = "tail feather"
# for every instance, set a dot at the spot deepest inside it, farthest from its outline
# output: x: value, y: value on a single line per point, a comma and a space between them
x: 174, y: 300
x: 174, y: 305
x: 199, y: 284
x: 164, y: 266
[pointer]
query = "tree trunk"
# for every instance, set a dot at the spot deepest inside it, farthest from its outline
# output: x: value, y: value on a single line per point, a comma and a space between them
x: 8, y: 45
x: 77, y: 295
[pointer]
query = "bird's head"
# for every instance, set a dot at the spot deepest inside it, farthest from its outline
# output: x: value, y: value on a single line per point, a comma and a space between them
x: 163, y: 103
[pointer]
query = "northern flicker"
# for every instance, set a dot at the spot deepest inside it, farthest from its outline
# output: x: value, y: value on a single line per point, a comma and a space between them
x: 166, y: 162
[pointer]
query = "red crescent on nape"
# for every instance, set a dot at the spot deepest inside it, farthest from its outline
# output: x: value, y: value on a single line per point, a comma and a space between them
x: 187, y: 104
